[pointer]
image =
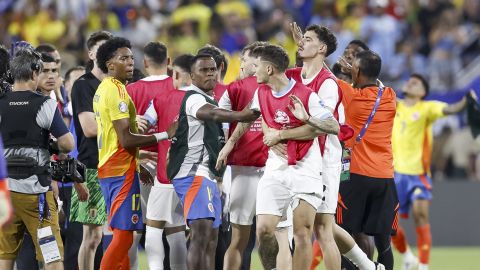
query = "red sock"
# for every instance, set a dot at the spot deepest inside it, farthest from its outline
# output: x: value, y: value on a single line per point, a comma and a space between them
x: 399, y: 240
x: 424, y: 243
x: 116, y: 255
x: 317, y: 255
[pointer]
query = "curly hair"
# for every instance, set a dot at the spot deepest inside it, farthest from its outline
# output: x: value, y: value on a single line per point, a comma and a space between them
x: 325, y: 35
x: 108, y: 50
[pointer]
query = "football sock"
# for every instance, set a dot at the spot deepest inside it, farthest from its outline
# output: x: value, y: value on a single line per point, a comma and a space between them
x: 154, y: 248
x: 424, y: 243
x: 359, y: 258
x: 116, y: 255
x: 399, y: 241
x: 178, y: 250
x: 385, y: 254
x: 317, y: 255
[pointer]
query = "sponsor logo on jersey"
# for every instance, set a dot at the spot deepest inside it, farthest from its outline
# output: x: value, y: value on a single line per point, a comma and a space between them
x: 210, y: 207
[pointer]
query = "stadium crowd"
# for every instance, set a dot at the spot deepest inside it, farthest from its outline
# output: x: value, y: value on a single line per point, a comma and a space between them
x: 322, y: 135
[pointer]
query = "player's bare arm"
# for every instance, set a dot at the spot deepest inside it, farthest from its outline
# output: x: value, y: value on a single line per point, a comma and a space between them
x: 240, y: 129
x: 128, y: 139
x: 88, y: 124
x: 329, y: 125
x: 458, y: 106
x: 209, y: 112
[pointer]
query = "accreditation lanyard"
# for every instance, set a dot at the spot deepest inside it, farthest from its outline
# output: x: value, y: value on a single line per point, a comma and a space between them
x: 372, y: 114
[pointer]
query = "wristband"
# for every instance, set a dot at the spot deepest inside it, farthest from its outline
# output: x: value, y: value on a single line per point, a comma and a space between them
x: 161, y: 136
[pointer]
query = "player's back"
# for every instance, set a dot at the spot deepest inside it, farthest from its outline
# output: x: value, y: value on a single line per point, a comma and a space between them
x: 250, y: 149
x: 373, y: 155
x: 167, y: 108
x: 110, y: 103
x: 145, y: 90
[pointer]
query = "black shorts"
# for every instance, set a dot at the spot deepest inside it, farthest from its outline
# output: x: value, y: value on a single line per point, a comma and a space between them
x: 368, y: 205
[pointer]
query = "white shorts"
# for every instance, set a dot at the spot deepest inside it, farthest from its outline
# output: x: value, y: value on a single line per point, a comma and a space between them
x: 243, y: 192
x: 280, y: 188
x: 164, y: 205
x: 287, y: 221
x: 331, y: 180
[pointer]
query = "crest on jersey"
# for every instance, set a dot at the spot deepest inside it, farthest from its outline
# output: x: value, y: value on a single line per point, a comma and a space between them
x: 281, y: 117
x: 210, y: 207
x: 123, y: 107
x: 135, y: 218
x: 92, y: 213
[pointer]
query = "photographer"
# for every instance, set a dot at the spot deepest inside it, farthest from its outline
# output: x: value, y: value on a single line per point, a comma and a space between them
x: 27, y: 120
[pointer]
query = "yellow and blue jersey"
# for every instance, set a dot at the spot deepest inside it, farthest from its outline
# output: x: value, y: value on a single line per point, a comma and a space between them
x: 412, y: 136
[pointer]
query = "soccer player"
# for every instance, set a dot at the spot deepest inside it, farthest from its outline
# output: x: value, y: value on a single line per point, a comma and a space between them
x: 369, y: 199
x: 247, y: 160
x: 118, y: 144
x: 294, y: 181
x: 192, y: 157
x: 342, y: 72
x: 222, y: 66
x: 92, y: 213
x: 412, y: 147
x: 315, y: 46
x: 142, y: 92
x: 164, y: 210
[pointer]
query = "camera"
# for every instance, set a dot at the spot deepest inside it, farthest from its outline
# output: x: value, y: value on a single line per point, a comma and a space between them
x: 68, y: 170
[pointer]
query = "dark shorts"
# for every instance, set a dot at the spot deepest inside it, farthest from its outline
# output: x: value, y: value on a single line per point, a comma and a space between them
x: 411, y: 188
x: 368, y: 205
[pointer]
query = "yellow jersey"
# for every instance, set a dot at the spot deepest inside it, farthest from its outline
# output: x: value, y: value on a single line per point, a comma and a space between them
x: 112, y: 102
x: 412, y: 136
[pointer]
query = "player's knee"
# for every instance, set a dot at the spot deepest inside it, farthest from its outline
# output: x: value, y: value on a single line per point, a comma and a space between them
x: 302, y: 235
x: 265, y: 231
x: 93, y: 239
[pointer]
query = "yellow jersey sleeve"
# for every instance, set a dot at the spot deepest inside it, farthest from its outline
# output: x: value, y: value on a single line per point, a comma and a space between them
x: 435, y: 110
x: 118, y: 102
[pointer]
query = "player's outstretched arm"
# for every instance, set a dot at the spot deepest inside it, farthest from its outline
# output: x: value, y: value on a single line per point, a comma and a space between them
x: 209, y: 112
x: 128, y: 139
x: 459, y: 106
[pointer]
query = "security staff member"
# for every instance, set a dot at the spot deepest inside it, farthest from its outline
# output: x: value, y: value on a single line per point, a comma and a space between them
x: 27, y: 119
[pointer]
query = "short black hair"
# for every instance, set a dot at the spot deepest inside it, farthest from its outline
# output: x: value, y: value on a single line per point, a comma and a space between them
x: 24, y: 63
x: 46, y: 48
x: 184, y: 62
x: 217, y: 55
x: 370, y: 63
x: 426, y: 85
x: 95, y: 37
x: 108, y: 49
x: 360, y: 44
x: 47, y: 58
x: 4, y: 61
x: 273, y: 54
x: 250, y: 47
x: 198, y: 57
x: 325, y: 35
x: 156, y: 51
x: 68, y: 74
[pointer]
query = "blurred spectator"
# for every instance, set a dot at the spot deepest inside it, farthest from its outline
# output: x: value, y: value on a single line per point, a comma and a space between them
x: 406, y: 62
x: 445, y: 40
x: 102, y: 18
x: 380, y: 30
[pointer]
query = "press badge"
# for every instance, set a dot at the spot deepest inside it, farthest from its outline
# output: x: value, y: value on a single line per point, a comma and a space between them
x: 346, y: 158
x: 48, y: 245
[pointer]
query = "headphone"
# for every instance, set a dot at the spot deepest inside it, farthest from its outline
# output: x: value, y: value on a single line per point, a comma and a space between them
x: 23, y: 45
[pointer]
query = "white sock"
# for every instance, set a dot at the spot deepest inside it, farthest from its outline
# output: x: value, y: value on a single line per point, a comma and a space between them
x: 423, y: 266
x: 178, y: 250
x: 359, y: 258
x: 408, y: 253
x: 154, y: 248
x: 132, y: 252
